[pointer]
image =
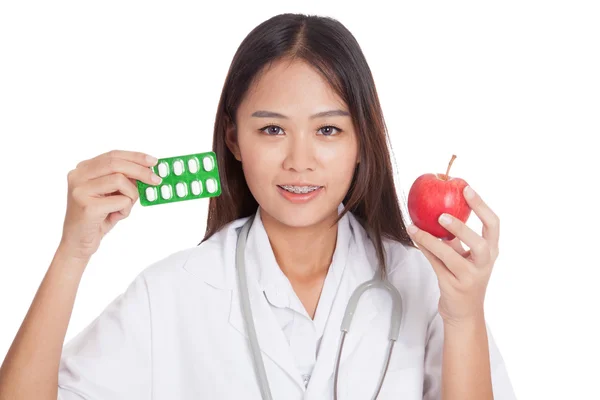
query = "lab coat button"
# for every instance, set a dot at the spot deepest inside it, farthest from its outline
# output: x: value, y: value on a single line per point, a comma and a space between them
x: 306, y: 378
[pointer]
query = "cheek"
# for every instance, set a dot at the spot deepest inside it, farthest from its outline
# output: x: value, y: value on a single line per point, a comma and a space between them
x: 339, y: 161
x: 259, y: 162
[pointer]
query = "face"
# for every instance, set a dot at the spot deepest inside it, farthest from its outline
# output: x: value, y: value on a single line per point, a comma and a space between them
x: 286, y: 143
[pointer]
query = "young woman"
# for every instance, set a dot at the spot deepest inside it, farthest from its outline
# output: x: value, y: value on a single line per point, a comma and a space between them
x: 302, y: 151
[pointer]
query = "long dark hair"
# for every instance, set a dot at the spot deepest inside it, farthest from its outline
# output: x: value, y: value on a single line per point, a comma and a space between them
x: 333, y: 51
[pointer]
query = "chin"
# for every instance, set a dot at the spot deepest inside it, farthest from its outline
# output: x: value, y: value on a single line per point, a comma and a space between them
x: 298, y: 220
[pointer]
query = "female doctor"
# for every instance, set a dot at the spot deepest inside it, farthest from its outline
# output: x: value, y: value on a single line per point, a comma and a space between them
x: 301, y: 145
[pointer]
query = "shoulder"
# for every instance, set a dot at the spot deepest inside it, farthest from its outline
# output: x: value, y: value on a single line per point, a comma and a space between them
x: 403, y: 262
x: 206, y: 261
x: 408, y: 263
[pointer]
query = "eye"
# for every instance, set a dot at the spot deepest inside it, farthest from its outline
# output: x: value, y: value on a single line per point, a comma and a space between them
x: 327, y: 130
x: 272, y: 130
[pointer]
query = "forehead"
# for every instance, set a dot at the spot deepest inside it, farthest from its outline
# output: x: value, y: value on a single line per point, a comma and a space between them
x: 294, y: 87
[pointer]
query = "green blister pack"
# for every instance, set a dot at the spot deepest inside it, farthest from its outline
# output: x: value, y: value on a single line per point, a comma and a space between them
x: 189, y: 177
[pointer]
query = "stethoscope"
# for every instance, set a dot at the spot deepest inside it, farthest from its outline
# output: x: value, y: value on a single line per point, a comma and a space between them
x: 350, y: 310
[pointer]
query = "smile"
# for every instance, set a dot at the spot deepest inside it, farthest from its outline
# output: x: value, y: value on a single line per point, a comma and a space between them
x: 299, y: 189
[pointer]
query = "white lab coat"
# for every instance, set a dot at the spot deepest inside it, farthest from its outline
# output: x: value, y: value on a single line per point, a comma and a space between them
x: 177, y: 332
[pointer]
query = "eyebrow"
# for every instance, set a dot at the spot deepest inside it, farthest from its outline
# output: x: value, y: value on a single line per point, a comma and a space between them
x: 330, y: 113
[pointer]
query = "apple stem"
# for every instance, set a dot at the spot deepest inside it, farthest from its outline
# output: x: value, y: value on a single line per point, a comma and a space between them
x: 450, y: 165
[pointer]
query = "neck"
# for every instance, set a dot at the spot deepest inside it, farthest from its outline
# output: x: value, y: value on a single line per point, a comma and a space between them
x: 304, y: 253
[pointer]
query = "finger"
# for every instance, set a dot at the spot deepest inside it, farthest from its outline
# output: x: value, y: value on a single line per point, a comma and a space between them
x: 117, y: 216
x: 127, y: 210
x: 109, y: 184
x: 133, y: 156
x: 442, y: 272
x: 457, y: 245
x: 110, y: 204
x: 113, y: 218
x: 142, y: 159
x: 103, y: 167
x: 121, y: 214
x: 439, y: 248
x: 491, y: 222
x: 478, y: 245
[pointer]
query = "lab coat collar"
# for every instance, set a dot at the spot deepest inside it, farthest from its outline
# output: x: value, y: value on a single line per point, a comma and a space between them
x: 263, y: 266
x: 214, y: 260
x: 361, y: 266
x: 219, y: 248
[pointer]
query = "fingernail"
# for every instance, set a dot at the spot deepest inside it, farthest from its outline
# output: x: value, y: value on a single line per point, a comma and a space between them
x: 156, y: 179
x: 469, y: 193
x: 412, y: 229
x: 151, y: 160
x: 445, y: 219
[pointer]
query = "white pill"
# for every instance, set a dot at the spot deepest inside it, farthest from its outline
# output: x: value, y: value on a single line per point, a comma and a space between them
x: 181, y: 189
x: 196, y: 187
x: 208, y: 164
x: 163, y: 169
x: 151, y: 193
x: 166, y: 191
x: 193, y: 165
x: 178, y: 167
x: 211, y: 185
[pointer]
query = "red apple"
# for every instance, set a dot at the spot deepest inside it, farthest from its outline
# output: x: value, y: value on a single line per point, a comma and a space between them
x: 433, y: 194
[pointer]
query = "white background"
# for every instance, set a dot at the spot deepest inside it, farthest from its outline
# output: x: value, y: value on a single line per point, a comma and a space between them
x: 512, y: 88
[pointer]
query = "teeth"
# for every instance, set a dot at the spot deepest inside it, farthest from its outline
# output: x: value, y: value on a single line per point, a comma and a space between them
x: 299, y: 189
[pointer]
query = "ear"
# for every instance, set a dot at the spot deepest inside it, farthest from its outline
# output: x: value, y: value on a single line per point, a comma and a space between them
x: 231, y: 140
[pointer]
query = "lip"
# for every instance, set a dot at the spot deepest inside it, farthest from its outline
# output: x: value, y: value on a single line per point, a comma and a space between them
x: 299, y: 184
x: 300, y: 198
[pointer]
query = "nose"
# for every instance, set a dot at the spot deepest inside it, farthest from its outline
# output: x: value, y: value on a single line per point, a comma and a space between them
x: 300, y: 154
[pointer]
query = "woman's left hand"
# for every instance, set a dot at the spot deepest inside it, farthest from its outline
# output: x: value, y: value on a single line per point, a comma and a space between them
x: 463, y: 275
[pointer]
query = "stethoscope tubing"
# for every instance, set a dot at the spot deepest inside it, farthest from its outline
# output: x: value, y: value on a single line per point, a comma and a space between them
x: 259, y: 366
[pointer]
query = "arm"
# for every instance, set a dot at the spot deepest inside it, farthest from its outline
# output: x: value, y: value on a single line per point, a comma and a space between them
x: 466, y: 371
x: 455, y: 363
x: 30, y: 369
x: 463, y: 276
x: 101, y: 192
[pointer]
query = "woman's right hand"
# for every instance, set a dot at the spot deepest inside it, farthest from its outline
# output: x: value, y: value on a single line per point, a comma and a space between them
x: 101, y: 192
